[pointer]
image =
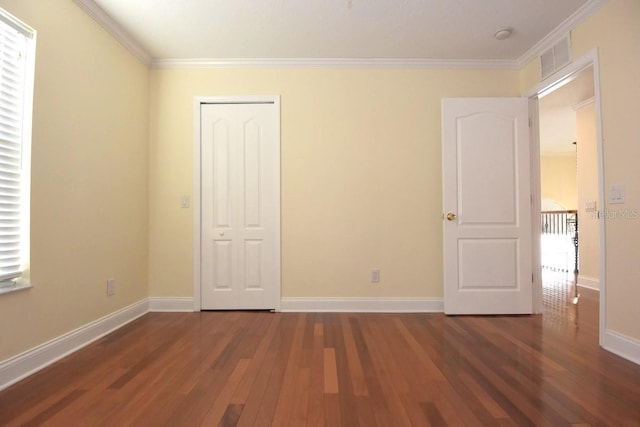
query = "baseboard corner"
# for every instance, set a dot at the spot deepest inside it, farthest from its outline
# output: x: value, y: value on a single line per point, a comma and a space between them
x: 33, y: 360
x: 622, y: 345
x: 589, y: 283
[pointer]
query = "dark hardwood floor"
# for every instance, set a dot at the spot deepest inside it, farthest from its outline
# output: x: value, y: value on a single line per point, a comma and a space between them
x: 339, y: 369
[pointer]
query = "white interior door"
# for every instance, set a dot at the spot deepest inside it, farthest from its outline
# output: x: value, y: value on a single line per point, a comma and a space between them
x: 487, y: 206
x: 240, y: 206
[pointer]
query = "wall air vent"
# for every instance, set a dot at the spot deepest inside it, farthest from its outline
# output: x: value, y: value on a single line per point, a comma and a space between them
x: 555, y: 57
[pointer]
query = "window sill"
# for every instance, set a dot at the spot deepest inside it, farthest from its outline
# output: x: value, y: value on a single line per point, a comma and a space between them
x: 16, y: 287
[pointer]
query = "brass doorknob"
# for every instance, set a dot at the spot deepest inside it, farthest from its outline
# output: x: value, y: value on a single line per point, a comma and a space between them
x: 451, y: 216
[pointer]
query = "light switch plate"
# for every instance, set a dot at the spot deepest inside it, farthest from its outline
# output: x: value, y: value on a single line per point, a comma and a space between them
x: 616, y: 194
x: 375, y: 275
x: 184, y: 202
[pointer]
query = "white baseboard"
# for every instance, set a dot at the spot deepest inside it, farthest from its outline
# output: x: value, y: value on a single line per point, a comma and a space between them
x: 21, y: 366
x: 622, y: 345
x: 589, y: 282
x: 171, y: 304
x: 367, y: 305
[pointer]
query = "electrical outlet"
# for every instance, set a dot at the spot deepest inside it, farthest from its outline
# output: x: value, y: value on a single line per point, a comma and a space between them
x: 111, y: 287
x: 375, y: 275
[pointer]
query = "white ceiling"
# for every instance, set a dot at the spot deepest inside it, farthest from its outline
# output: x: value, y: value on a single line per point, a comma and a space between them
x: 350, y: 29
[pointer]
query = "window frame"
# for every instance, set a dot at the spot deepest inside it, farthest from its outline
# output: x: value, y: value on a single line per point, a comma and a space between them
x: 23, y: 281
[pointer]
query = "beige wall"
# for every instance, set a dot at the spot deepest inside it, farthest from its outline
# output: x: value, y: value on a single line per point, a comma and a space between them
x: 559, y: 181
x: 89, y: 178
x: 361, y: 174
x: 588, y: 192
x: 615, y: 32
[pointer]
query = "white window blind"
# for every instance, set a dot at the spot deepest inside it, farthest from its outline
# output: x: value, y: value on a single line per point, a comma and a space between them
x: 14, y: 88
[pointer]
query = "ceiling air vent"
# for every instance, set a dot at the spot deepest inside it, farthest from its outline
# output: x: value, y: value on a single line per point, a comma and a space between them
x: 556, y: 57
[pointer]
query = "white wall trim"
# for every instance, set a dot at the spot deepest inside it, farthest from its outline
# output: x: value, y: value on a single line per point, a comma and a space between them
x: 17, y: 24
x: 584, y: 103
x: 568, y: 73
x: 556, y: 80
x: 117, y: 31
x: 335, y: 63
x: 196, y: 203
x: 588, y: 9
x: 589, y: 282
x: 622, y: 345
x: 366, y: 305
x: 112, y: 27
x: 29, y: 362
x: 536, y: 194
x: 157, y: 304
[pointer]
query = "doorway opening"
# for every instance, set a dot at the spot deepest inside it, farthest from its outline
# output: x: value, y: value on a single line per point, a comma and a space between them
x: 571, y: 192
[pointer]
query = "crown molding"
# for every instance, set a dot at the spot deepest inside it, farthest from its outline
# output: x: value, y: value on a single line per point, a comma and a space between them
x: 560, y: 31
x: 333, y: 63
x: 115, y: 29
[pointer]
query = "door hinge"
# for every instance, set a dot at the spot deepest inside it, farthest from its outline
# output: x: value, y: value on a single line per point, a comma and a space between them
x: 531, y: 277
x: 530, y: 122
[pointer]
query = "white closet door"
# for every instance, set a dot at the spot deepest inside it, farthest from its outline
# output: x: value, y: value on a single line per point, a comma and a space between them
x: 240, y: 217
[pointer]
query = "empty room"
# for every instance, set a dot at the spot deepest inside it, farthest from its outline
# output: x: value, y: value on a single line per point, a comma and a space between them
x: 278, y: 212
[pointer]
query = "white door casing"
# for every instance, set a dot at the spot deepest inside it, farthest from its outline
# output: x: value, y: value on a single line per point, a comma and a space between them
x: 557, y: 80
x: 240, y: 205
x: 486, y: 185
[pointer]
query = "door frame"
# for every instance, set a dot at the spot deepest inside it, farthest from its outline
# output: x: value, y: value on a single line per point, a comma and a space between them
x: 556, y: 80
x: 197, y: 187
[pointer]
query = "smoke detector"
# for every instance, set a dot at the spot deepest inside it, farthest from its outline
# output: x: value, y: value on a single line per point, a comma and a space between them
x: 503, y: 33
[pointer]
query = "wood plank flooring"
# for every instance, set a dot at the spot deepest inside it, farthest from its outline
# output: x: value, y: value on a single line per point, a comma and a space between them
x: 339, y: 369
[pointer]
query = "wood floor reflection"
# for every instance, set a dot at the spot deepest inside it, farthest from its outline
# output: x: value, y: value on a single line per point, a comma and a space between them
x: 340, y: 369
